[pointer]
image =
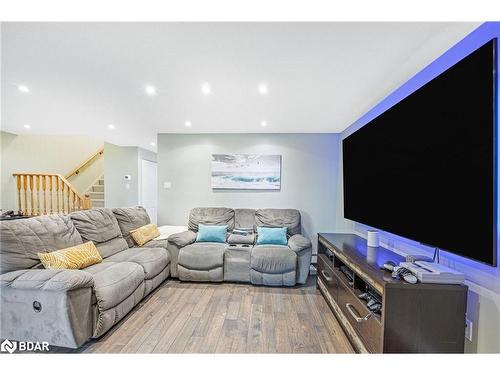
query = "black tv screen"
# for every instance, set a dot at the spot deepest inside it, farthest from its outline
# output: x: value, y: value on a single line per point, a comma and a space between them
x: 425, y: 168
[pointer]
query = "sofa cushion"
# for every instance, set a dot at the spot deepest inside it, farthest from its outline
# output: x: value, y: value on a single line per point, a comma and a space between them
x: 244, y: 218
x: 152, y: 260
x: 156, y: 243
x: 106, y: 319
x: 273, y: 279
x: 130, y: 218
x: 111, y: 247
x: 21, y: 240
x: 202, y: 255
x: 100, y: 226
x: 275, y: 217
x: 214, y: 275
x: 273, y: 259
x: 72, y: 258
x: 211, y: 216
x: 114, y: 282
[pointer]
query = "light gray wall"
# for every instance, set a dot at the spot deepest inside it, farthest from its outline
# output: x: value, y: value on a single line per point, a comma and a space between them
x: 118, y: 162
x: 143, y: 154
x: 309, y: 175
x: 46, y: 154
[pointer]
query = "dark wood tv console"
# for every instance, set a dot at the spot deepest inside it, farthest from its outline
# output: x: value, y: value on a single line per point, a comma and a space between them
x: 415, y: 318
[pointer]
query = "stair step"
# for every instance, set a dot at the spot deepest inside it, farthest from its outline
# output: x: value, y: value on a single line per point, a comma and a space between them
x: 100, y: 182
x: 97, y: 202
x: 98, y: 188
x: 96, y: 195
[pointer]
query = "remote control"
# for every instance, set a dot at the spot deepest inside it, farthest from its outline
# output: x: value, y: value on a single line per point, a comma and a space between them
x: 389, y: 266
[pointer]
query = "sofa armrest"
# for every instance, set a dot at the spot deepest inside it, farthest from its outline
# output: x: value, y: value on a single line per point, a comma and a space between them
x: 238, y: 239
x: 298, y: 242
x: 47, y: 279
x: 302, y: 246
x: 183, y: 238
x: 47, y: 305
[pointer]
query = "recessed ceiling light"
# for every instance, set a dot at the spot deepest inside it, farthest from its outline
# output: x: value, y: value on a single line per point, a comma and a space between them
x: 263, y: 124
x: 27, y: 126
x: 206, y: 89
x: 187, y: 124
x: 23, y: 88
x: 263, y: 89
x: 150, y: 90
x: 152, y: 144
x: 111, y: 126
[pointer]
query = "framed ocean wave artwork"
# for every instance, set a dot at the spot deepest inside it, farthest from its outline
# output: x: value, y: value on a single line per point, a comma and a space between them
x: 246, y: 171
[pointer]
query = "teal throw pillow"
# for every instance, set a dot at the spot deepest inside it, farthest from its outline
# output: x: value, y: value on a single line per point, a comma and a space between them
x: 211, y: 233
x: 271, y: 236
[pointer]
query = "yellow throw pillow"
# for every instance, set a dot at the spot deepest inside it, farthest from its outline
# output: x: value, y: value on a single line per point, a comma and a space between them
x: 72, y: 258
x: 145, y: 234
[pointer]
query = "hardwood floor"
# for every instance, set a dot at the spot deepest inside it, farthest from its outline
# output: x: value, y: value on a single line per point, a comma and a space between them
x: 226, y: 318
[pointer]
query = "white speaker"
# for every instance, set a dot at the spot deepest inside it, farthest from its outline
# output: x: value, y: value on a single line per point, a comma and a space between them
x: 373, y: 238
x: 371, y: 254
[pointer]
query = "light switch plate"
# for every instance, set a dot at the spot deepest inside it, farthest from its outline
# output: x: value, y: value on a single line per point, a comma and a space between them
x: 167, y: 185
x: 468, y: 329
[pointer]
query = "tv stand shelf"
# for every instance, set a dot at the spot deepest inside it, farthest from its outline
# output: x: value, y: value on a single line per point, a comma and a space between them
x: 414, y: 318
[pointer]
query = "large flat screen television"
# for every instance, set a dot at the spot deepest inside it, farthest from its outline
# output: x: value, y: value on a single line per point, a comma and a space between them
x: 425, y: 168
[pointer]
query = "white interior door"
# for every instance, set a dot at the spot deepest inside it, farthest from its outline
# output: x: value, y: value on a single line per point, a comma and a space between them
x: 149, y: 188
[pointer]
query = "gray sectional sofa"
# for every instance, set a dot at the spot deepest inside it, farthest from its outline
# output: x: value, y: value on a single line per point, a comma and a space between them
x: 68, y: 307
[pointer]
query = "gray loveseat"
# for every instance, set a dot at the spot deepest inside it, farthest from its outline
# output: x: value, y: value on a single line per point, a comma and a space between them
x: 67, y: 307
x: 239, y: 259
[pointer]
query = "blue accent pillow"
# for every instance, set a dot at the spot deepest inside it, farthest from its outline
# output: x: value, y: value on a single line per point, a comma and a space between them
x: 271, y: 236
x: 211, y: 233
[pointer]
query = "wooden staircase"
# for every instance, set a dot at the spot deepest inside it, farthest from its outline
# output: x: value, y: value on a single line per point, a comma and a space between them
x: 51, y: 193
x: 48, y: 193
x: 96, y: 193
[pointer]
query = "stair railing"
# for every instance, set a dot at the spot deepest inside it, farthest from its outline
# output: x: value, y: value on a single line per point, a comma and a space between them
x: 48, y: 193
x: 85, y: 163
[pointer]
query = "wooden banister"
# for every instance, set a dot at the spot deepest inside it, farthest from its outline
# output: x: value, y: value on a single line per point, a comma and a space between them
x: 85, y: 163
x: 54, y: 188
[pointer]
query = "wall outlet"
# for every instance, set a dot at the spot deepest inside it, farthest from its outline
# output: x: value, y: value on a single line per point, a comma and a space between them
x: 167, y: 185
x: 313, y: 270
x: 468, y: 329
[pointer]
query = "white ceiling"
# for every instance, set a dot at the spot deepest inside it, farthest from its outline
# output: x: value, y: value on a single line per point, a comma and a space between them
x: 321, y: 76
